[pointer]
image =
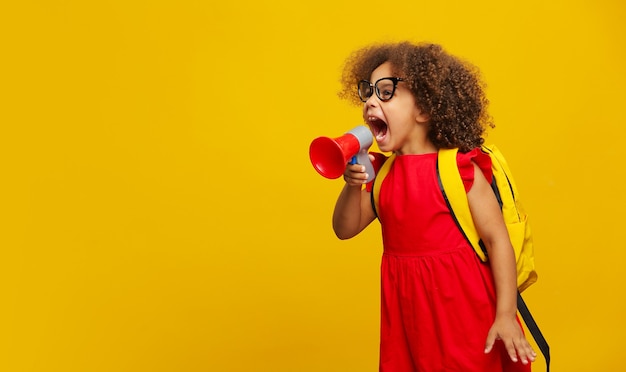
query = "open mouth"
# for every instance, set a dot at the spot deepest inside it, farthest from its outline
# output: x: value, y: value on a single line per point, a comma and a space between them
x: 378, y: 127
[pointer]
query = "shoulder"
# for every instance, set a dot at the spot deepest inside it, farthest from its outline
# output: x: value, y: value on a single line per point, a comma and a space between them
x: 469, y: 161
x: 379, y: 160
x: 377, y: 163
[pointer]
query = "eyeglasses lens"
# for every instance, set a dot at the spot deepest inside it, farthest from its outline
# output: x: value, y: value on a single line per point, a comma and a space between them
x: 385, y: 89
x: 365, y: 90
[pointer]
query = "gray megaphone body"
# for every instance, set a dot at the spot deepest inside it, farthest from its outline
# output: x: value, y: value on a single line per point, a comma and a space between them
x: 329, y: 156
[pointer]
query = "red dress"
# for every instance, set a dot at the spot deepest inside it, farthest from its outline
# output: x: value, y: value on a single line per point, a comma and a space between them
x: 437, y: 298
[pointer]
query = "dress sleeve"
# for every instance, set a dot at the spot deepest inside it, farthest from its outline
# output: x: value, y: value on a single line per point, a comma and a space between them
x: 379, y: 160
x: 466, y: 168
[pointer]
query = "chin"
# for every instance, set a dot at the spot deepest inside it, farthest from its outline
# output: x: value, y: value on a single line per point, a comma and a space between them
x: 385, y: 148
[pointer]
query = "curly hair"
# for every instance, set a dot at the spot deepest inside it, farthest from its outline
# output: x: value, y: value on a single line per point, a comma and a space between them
x: 447, y: 88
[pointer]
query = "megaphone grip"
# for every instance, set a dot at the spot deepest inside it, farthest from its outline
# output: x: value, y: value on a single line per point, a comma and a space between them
x: 363, y: 158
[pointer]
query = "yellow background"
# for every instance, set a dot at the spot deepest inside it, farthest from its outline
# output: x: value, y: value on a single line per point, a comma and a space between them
x: 159, y: 211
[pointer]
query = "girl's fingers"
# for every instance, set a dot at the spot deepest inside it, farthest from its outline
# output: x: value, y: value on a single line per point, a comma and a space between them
x: 510, y: 349
x: 523, y: 351
x: 491, y: 339
x: 526, y: 352
x: 355, y: 174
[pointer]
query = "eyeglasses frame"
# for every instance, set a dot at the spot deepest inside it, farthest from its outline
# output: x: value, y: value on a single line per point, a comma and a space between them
x: 374, y: 87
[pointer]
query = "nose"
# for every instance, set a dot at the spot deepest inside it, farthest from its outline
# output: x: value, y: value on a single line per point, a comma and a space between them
x: 371, y: 103
x: 371, y: 100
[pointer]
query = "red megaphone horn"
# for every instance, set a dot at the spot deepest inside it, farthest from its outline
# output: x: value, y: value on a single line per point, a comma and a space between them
x: 329, y: 156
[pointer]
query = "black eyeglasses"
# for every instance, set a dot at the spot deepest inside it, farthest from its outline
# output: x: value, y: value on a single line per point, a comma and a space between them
x: 384, y: 88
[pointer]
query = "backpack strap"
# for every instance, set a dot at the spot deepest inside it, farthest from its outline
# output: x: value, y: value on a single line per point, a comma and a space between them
x: 501, y: 172
x: 453, y: 190
x: 542, y: 344
x: 378, y: 181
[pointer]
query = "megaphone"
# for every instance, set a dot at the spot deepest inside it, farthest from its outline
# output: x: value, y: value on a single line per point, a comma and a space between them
x: 329, y: 156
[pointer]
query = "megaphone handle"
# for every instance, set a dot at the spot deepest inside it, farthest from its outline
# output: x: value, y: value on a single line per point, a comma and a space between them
x: 363, y: 158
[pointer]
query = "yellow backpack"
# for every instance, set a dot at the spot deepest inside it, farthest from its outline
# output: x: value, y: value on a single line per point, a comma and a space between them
x: 503, y: 185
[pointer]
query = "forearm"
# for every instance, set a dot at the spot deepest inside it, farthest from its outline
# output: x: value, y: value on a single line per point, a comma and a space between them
x: 347, y: 213
x: 503, y: 267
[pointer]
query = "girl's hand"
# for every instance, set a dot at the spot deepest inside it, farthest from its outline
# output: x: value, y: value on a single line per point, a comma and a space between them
x: 510, y: 332
x: 355, y: 175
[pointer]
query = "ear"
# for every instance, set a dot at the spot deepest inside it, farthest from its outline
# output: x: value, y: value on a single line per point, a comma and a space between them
x: 422, y: 117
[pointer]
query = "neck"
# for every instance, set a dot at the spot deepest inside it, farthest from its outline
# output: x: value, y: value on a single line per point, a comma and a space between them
x: 424, y: 146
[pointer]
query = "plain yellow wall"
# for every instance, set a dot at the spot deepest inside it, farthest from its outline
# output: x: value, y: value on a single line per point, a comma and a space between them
x: 160, y: 213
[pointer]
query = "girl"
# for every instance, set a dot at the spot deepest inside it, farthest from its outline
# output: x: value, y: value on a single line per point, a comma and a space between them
x: 442, y: 309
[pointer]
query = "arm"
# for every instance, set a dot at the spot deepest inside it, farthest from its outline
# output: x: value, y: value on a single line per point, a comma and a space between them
x: 492, y: 230
x: 353, y: 210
